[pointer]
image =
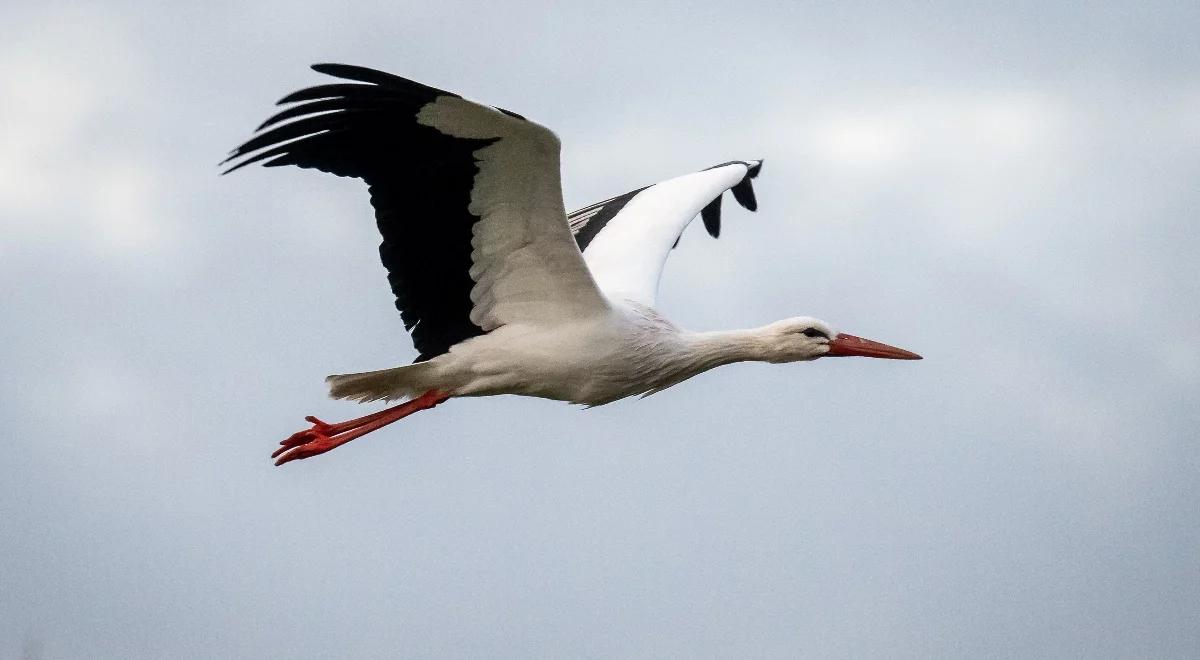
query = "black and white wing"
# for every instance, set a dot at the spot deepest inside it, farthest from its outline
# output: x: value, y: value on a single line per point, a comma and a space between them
x: 626, y: 240
x: 467, y: 197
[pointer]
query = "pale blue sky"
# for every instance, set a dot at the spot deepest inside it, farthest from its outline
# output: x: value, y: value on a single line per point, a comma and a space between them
x: 1012, y: 193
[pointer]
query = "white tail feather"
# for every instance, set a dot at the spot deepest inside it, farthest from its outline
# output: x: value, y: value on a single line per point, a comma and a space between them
x: 405, y: 382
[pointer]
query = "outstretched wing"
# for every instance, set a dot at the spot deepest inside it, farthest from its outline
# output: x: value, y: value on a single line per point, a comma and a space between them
x: 467, y: 197
x: 625, y: 240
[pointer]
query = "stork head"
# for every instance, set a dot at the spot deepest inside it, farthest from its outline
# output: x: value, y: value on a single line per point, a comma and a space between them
x: 804, y: 338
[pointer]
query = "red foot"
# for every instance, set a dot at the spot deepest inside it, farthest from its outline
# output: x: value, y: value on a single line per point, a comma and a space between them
x: 304, y: 444
x: 322, y: 436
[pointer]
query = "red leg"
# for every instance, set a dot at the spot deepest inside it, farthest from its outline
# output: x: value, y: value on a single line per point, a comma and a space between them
x: 322, y: 437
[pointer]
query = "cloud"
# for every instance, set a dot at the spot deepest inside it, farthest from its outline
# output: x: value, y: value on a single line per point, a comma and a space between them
x: 75, y: 167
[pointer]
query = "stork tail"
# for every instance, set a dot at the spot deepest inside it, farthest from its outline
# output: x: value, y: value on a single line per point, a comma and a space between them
x: 404, y: 382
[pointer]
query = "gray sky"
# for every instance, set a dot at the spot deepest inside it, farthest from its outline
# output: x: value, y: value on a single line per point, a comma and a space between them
x: 1013, y: 195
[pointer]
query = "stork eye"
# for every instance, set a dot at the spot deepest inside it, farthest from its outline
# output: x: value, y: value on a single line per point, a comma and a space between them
x: 813, y: 332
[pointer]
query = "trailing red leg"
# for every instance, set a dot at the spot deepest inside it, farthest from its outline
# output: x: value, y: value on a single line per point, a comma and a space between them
x: 322, y: 437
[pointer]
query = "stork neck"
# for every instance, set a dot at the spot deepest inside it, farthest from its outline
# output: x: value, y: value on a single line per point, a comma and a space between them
x: 713, y: 349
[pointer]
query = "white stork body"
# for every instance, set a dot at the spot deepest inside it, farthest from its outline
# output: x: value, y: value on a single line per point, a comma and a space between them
x: 625, y: 350
x: 502, y: 290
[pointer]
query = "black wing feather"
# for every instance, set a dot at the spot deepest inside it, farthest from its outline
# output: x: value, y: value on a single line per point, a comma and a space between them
x: 324, y: 105
x: 589, y: 220
x: 711, y: 215
x: 419, y: 179
x: 372, y: 76
x: 743, y: 192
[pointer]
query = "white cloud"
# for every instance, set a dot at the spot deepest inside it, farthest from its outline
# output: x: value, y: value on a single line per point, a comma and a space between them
x: 122, y: 200
x: 970, y: 159
x: 860, y: 142
x: 70, y: 88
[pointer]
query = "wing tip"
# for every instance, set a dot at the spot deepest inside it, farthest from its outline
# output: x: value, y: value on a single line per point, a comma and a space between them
x: 352, y: 72
x: 711, y: 215
x: 743, y: 192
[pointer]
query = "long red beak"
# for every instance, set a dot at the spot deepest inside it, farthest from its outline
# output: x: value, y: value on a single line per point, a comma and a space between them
x: 844, y: 345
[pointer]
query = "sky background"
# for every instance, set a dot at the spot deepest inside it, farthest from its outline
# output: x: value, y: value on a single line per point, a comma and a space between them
x: 1012, y: 193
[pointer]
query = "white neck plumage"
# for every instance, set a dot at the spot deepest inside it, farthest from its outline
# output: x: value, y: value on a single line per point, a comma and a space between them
x: 713, y: 349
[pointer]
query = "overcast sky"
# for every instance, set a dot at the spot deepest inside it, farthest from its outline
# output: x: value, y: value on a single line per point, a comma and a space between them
x: 1013, y: 194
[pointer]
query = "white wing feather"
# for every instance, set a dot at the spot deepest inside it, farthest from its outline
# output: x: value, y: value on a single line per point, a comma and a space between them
x: 526, y: 265
x: 627, y: 256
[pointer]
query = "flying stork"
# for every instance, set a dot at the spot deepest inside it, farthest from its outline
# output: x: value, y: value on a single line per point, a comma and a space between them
x: 502, y: 291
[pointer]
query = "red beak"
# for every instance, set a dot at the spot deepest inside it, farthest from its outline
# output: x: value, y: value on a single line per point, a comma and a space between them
x: 844, y: 344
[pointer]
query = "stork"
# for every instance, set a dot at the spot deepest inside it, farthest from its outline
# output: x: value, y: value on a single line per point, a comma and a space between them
x: 502, y: 291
